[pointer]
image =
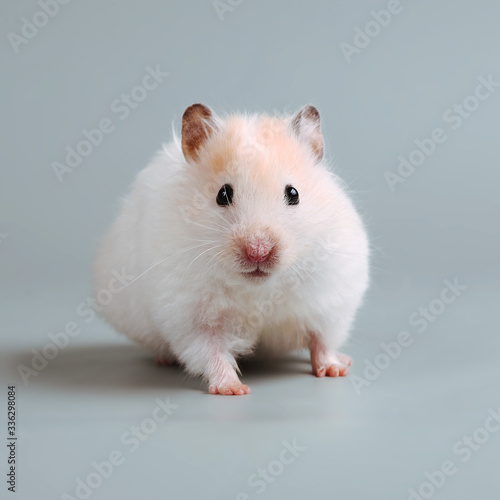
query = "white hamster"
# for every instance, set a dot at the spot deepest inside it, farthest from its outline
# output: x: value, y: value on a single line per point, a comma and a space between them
x: 236, y: 237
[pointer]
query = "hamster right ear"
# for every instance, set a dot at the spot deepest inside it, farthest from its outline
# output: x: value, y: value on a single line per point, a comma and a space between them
x: 198, y: 124
x: 306, y: 125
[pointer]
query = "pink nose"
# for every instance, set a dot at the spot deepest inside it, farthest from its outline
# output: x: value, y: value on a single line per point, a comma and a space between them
x: 258, y: 251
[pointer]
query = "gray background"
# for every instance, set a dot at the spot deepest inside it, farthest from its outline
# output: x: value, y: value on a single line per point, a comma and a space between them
x: 441, y: 223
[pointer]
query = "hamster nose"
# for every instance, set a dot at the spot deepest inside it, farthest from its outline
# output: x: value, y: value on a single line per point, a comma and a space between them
x: 258, y: 251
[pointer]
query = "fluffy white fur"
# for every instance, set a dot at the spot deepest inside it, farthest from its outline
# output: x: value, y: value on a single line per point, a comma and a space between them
x: 187, y: 298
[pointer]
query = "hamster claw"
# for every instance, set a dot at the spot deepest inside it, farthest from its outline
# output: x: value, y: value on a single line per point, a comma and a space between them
x: 233, y: 389
x: 333, y: 370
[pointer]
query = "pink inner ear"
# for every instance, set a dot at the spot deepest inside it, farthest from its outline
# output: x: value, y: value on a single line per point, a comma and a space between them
x: 306, y: 125
x: 197, y: 126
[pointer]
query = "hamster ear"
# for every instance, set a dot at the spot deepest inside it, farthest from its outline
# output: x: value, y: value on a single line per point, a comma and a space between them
x: 198, y: 124
x: 306, y: 125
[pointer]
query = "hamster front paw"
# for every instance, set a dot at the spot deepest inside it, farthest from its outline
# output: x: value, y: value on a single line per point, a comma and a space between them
x: 207, y: 353
x: 223, y: 380
x: 326, y: 363
x: 330, y: 370
x: 229, y: 389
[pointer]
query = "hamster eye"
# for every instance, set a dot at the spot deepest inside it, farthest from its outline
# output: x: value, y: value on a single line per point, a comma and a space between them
x: 291, y: 195
x: 225, y: 195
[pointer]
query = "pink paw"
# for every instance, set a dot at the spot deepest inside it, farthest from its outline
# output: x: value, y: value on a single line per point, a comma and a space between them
x: 332, y: 370
x: 327, y: 364
x: 230, y: 389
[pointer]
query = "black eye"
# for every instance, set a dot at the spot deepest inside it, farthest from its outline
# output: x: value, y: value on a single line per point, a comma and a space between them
x: 225, y: 195
x: 291, y: 196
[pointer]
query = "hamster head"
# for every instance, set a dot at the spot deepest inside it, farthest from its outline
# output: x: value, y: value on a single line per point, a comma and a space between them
x: 254, y: 190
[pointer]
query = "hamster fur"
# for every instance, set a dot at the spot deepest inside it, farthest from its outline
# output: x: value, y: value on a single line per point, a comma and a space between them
x: 209, y: 282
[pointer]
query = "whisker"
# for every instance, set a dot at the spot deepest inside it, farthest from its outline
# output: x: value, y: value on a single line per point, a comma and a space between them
x: 295, y: 268
x: 206, y: 227
x: 160, y: 262
x: 212, y: 259
x: 216, y: 213
x: 198, y: 256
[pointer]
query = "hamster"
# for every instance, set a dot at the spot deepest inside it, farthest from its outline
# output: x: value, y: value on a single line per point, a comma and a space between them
x: 236, y: 237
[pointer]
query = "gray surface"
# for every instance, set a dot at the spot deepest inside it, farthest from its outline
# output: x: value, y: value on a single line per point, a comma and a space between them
x: 441, y: 223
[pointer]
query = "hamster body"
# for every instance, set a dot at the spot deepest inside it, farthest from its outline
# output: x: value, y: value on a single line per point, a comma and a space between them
x: 237, y: 237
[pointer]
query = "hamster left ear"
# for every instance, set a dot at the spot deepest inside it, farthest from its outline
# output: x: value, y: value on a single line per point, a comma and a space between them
x: 198, y: 124
x: 306, y: 125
